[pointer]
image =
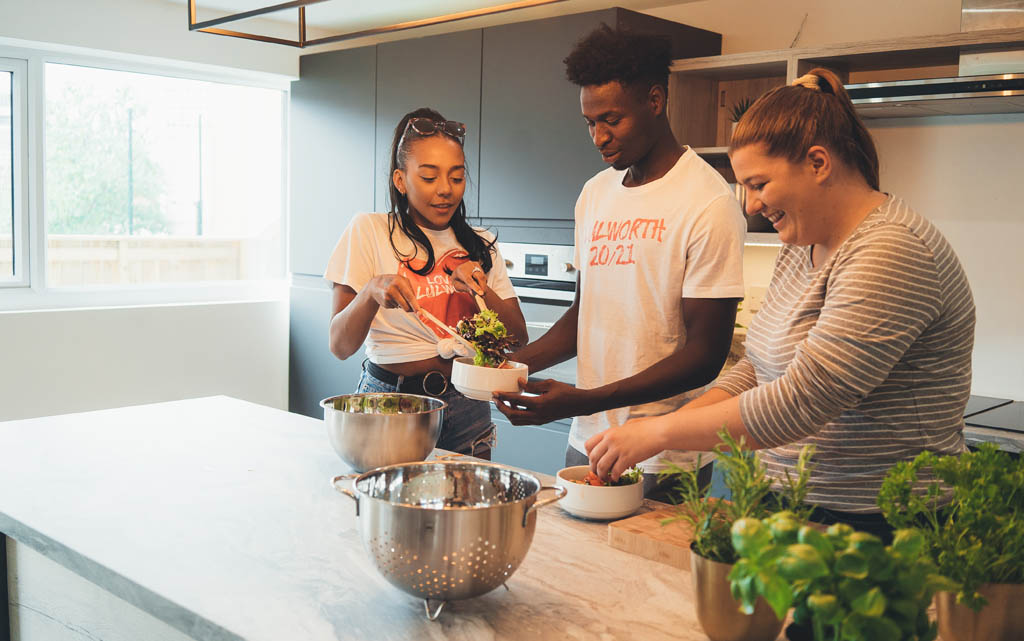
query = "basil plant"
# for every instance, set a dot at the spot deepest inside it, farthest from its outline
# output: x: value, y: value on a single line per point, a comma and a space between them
x: 971, y: 510
x: 846, y: 585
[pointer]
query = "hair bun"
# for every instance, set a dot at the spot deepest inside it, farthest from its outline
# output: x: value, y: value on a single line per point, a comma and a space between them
x: 808, y: 81
x: 821, y: 80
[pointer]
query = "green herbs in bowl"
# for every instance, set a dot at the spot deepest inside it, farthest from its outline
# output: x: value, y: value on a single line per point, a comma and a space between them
x: 604, y: 502
x: 382, y: 404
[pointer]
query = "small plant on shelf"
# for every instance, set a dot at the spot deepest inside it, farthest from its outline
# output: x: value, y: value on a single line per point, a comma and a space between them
x: 739, y: 108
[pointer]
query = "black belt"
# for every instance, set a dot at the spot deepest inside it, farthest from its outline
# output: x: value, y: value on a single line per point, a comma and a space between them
x: 433, y: 383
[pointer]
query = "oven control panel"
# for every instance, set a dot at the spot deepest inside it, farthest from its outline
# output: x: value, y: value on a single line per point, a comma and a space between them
x: 552, y: 262
x: 540, y: 271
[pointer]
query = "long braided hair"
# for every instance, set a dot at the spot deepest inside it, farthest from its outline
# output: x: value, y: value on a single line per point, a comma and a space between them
x: 478, y: 249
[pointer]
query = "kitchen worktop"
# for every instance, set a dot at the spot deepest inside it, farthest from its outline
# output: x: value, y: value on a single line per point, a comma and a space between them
x: 215, y: 516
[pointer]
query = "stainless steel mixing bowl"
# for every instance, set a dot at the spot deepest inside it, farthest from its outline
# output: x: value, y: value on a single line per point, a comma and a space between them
x: 374, y: 430
x: 444, y: 531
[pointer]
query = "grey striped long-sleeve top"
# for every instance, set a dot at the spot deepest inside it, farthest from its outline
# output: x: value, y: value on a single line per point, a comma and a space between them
x: 868, y: 357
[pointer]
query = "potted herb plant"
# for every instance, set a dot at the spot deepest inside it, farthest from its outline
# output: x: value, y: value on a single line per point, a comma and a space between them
x: 971, y: 511
x: 712, y: 552
x: 844, y: 584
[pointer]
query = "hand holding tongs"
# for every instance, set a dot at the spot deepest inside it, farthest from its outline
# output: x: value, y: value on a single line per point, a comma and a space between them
x: 444, y: 326
x: 480, y: 304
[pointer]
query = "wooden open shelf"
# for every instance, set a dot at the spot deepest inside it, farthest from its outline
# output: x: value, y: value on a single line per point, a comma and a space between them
x: 702, y: 90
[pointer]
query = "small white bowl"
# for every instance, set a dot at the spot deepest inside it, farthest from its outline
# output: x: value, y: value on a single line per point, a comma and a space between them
x: 479, y: 382
x: 597, y: 502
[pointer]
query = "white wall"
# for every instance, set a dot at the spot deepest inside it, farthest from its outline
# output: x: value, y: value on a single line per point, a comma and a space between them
x: 964, y: 174
x: 56, y: 362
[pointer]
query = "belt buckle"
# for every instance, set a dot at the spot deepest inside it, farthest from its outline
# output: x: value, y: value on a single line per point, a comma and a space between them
x: 444, y: 383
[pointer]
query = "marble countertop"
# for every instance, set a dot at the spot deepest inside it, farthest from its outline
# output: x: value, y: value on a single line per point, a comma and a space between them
x: 215, y: 515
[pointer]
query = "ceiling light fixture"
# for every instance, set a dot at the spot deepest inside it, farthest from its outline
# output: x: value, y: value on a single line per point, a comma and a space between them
x: 210, y: 26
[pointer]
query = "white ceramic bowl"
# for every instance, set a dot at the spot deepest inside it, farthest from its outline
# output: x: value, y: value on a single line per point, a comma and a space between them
x: 597, y: 502
x: 479, y: 382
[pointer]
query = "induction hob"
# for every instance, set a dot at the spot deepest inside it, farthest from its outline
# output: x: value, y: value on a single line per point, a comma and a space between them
x: 978, y: 404
x: 1009, y: 416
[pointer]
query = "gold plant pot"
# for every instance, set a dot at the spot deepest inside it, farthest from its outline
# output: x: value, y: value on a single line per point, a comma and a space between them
x: 1001, y: 620
x: 719, y: 614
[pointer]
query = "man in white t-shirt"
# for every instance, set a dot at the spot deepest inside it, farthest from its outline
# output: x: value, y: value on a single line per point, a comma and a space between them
x: 659, y: 254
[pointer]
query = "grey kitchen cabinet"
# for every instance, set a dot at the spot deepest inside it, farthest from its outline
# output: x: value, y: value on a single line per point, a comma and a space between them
x: 332, y: 151
x: 536, y: 152
x: 440, y: 72
x: 313, y: 372
x: 533, y: 447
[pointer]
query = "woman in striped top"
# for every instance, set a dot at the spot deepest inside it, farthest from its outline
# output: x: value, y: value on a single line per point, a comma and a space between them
x: 862, y: 346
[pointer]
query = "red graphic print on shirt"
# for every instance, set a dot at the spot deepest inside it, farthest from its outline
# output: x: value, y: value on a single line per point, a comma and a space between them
x: 435, y: 292
x: 613, y: 241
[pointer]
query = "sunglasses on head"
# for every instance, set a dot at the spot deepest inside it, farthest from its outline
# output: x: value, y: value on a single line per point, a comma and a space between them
x: 429, y: 127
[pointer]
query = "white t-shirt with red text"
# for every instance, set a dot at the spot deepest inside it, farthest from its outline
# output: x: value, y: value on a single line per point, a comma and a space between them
x: 639, y: 252
x: 396, y: 336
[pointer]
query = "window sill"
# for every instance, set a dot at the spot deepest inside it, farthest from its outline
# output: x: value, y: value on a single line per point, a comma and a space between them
x: 26, y: 299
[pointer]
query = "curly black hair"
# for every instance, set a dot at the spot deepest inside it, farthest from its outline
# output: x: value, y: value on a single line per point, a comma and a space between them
x: 637, y: 61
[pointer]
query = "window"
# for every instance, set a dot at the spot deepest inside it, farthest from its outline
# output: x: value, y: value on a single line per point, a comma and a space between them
x: 153, y: 179
x: 13, y: 213
x: 6, y: 177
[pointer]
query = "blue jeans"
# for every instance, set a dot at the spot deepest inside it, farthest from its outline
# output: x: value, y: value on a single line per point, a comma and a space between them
x: 466, y: 427
x: 653, y: 489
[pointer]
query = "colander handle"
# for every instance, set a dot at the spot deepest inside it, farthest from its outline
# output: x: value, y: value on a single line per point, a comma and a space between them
x: 347, y: 492
x: 559, y: 493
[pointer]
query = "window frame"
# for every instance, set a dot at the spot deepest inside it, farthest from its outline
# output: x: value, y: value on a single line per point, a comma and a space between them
x: 18, y: 68
x: 33, y: 292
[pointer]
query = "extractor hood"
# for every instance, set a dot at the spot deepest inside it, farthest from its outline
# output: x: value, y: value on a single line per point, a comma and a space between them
x: 987, y: 82
x: 999, y: 93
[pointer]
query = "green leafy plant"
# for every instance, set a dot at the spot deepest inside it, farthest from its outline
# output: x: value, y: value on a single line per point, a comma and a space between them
x: 846, y: 585
x: 739, y: 108
x: 971, y: 509
x: 749, y: 486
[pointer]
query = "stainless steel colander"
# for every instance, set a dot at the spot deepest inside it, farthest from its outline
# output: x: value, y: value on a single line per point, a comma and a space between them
x: 444, y: 531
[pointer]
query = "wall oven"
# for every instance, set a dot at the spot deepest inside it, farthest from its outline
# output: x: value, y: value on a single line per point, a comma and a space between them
x: 545, y: 282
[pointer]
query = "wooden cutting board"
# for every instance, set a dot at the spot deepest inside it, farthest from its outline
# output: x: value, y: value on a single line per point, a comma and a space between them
x: 645, y: 536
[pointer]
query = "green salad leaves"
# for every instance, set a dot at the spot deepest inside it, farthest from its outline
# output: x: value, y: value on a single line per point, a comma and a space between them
x: 489, y: 336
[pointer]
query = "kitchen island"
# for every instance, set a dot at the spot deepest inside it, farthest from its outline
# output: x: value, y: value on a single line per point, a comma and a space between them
x: 213, y: 519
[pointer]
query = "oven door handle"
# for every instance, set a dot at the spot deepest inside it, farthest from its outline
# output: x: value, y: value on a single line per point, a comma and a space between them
x: 540, y: 325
